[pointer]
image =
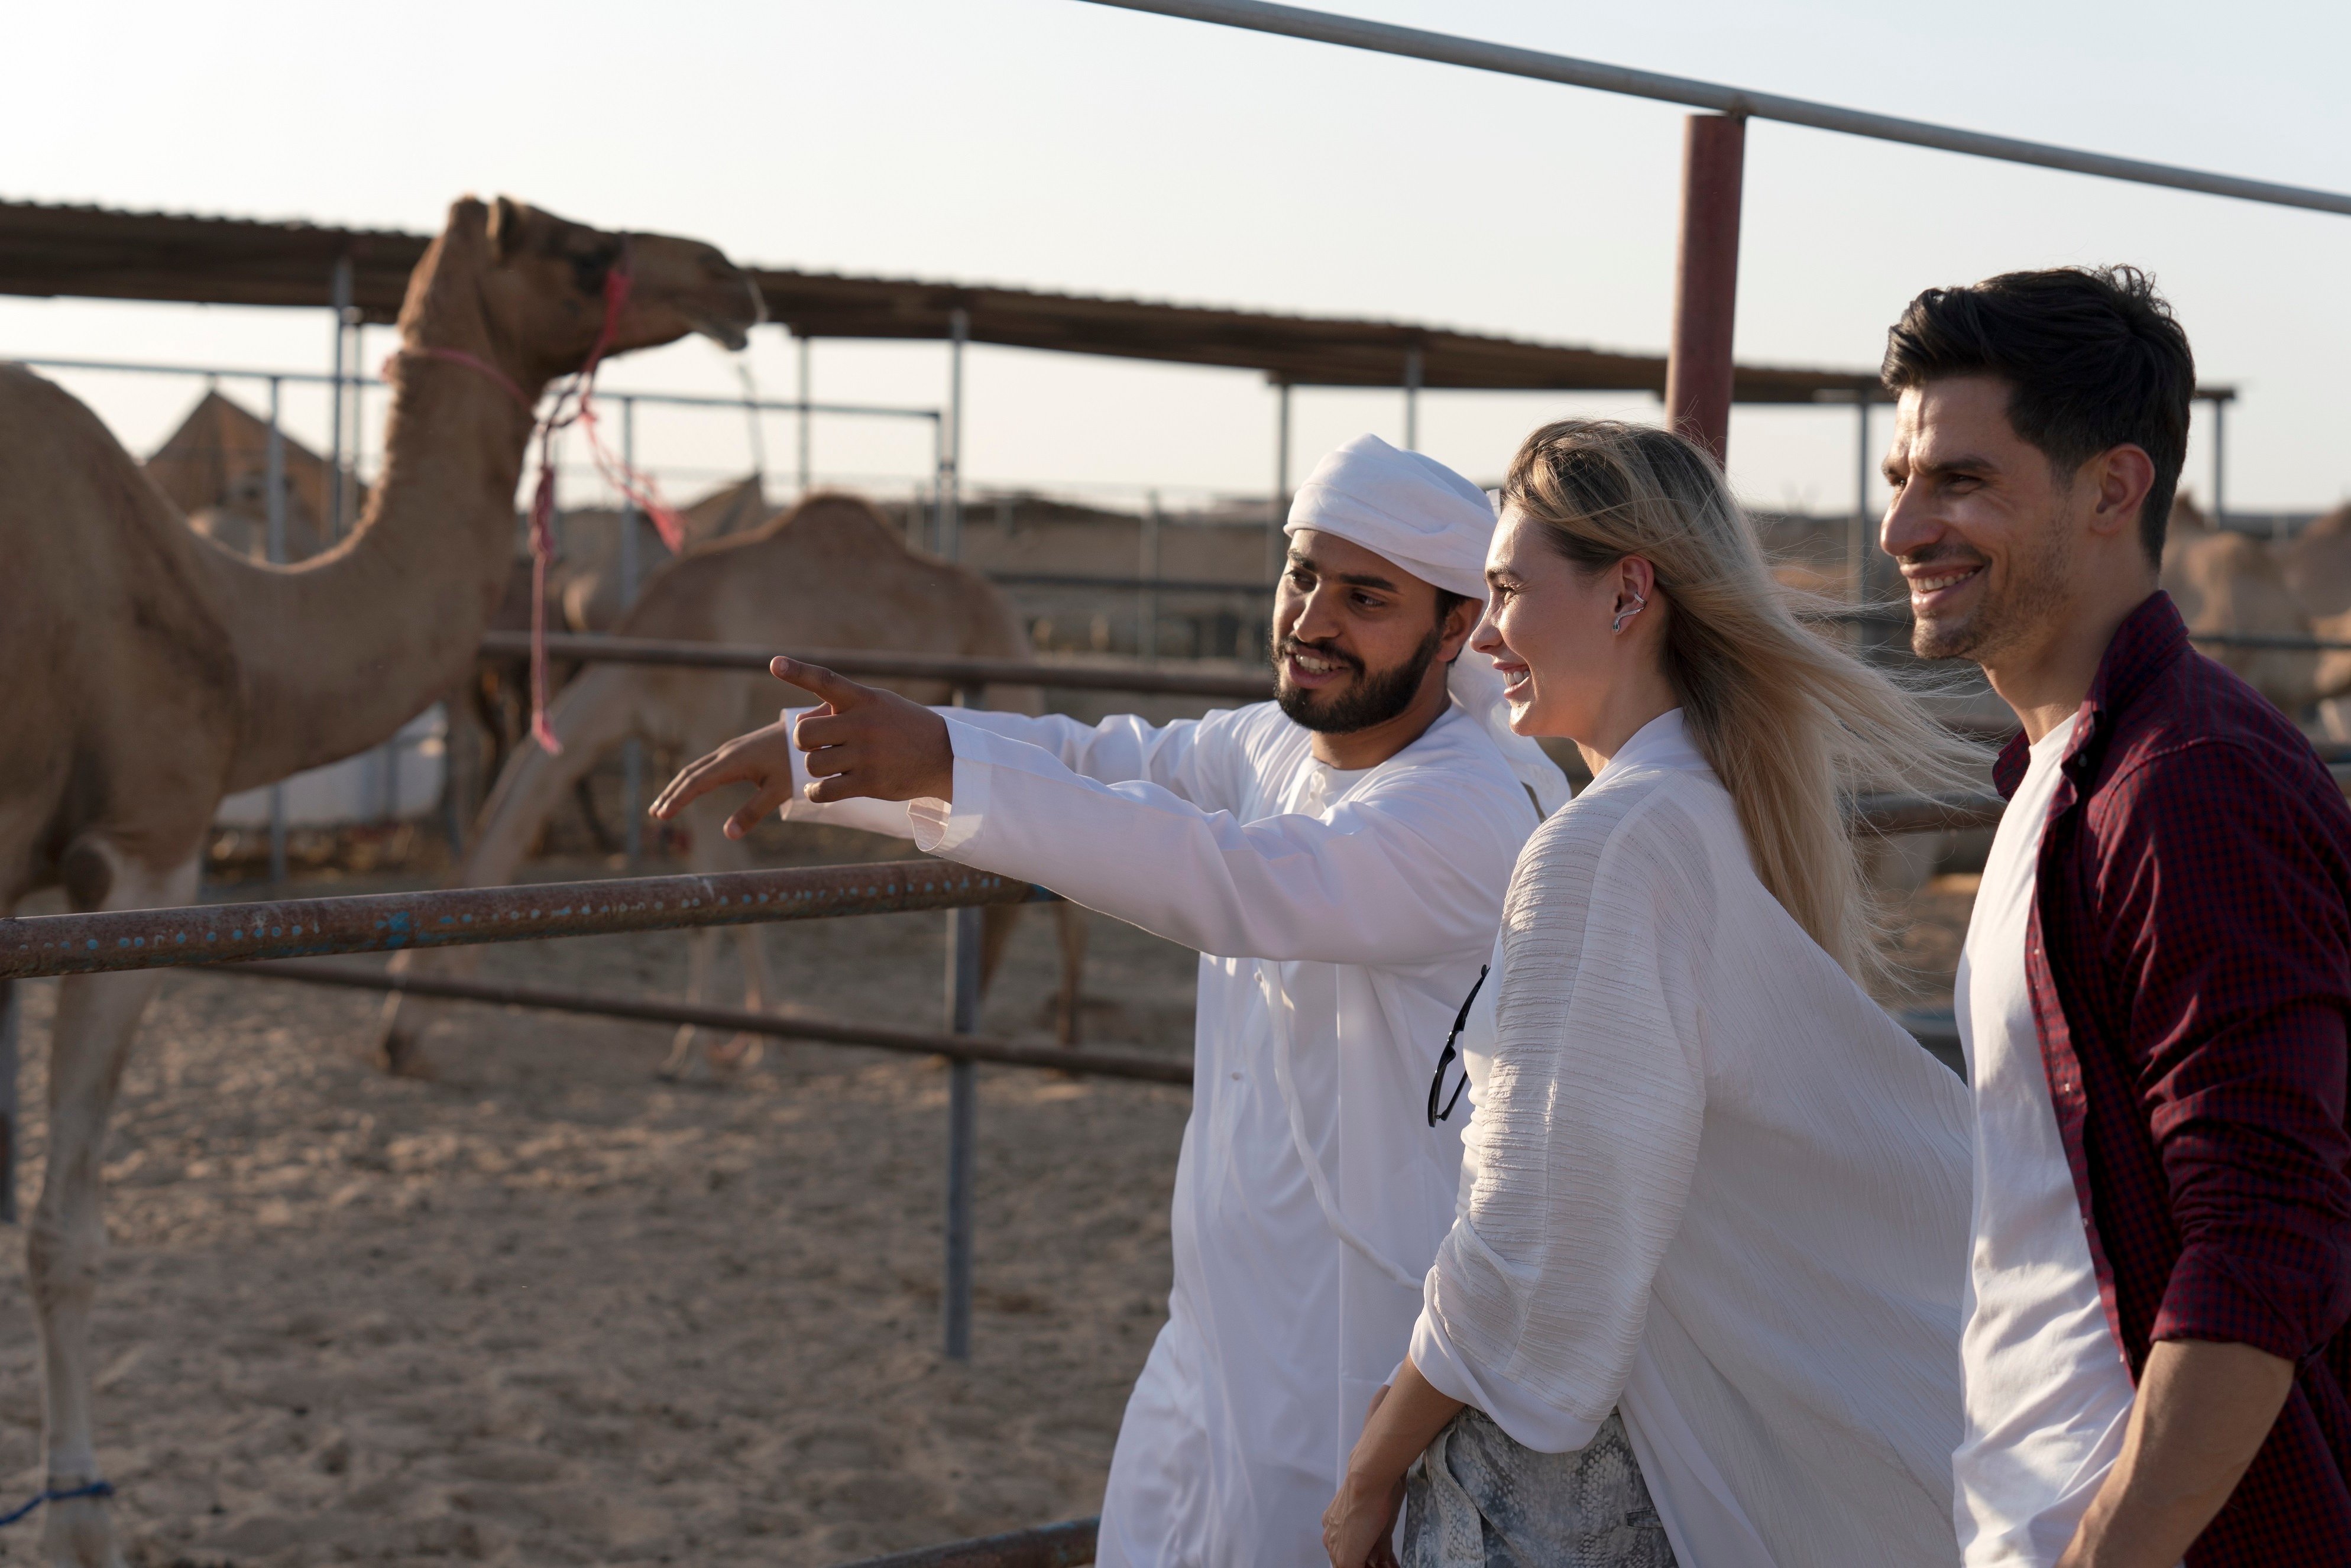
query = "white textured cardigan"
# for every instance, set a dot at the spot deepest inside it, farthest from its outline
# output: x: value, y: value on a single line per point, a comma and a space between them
x: 1708, y: 1182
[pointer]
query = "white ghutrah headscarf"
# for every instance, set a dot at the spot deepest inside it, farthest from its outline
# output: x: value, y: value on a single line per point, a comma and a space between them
x: 1415, y: 511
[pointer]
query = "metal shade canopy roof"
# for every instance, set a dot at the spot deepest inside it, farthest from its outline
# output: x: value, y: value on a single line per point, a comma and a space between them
x: 102, y: 253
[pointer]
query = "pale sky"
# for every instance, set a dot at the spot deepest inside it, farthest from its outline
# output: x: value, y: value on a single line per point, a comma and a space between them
x: 1060, y: 145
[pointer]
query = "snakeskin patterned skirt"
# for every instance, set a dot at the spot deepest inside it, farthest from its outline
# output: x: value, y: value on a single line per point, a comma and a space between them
x: 1475, y: 1499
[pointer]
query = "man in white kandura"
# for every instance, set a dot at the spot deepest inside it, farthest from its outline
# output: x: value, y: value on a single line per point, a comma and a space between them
x: 1338, y: 857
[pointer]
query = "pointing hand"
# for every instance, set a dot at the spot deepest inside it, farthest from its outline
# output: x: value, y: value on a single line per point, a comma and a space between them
x: 862, y: 742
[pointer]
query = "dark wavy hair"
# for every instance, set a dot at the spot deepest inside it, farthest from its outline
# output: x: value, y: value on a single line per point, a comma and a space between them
x: 2093, y: 356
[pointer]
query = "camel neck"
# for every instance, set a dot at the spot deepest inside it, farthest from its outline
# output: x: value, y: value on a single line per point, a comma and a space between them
x: 340, y: 651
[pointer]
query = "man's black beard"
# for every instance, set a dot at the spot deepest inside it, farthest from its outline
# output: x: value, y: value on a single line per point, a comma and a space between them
x: 1373, y: 700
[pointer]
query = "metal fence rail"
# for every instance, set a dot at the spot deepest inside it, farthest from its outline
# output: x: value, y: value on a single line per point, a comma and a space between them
x: 40, y: 946
x: 957, y: 669
x: 1414, y: 43
x: 36, y: 946
x: 799, y: 1024
x: 1132, y: 584
x: 1890, y: 814
x: 2284, y: 641
x: 1156, y: 680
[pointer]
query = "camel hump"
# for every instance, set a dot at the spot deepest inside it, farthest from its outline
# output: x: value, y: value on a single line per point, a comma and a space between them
x: 65, y: 478
x: 2318, y: 563
x: 833, y: 572
x: 30, y: 401
x: 837, y: 519
x: 2222, y: 562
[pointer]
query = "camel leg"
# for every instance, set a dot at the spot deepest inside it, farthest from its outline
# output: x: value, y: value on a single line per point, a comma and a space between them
x: 97, y: 1019
x: 996, y: 925
x: 1069, y: 925
x: 593, y: 714
x: 11, y: 1118
x: 405, y: 1020
x: 584, y: 797
x: 701, y: 951
x: 711, y: 853
x: 743, y: 1052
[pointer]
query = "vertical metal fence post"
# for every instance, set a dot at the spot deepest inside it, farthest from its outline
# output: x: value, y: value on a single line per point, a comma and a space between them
x: 347, y: 514
x: 352, y: 445
x: 1412, y: 373
x: 933, y: 535
x: 1699, y: 373
x: 340, y: 293
x: 274, y: 507
x: 1146, y: 605
x: 1858, y: 548
x: 632, y: 753
x: 2220, y: 504
x: 9, y: 997
x: 951, y: 442
x: 963, y: 1112
x: 1277, y: 510
x: 803, y: 344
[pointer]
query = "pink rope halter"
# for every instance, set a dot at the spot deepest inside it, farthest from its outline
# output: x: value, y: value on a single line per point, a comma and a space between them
x: 574, y: 404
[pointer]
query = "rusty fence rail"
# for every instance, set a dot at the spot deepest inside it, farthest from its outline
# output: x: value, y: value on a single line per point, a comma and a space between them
x: 1064, y: 1545
x: 2281, y: 641
x: 799, y: 1024
x: 232, y: 936
x: 36, y: 946
x: 958, y: 670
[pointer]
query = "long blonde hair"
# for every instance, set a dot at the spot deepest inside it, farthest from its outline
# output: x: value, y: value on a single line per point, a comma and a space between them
x: 1793, y: 726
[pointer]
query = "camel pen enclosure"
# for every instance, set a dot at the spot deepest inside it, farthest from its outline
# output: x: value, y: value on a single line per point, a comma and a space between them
x: 539, y: 1307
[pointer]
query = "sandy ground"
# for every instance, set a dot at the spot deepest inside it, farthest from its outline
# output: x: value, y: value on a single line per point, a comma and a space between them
x: 545, y: 1309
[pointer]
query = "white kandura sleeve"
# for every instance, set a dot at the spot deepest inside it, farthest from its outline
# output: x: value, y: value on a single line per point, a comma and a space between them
x: 1120, y: 748
x: 1397, y: 875
x: 1587, y: 1131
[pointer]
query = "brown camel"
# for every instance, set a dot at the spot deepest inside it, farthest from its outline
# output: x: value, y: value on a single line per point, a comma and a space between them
x: 830, y: 573
x: 582, y: 594
x: 2317, y: 566
x: 156, y: 672
x: 2225, y: 581
x: 590, y: 587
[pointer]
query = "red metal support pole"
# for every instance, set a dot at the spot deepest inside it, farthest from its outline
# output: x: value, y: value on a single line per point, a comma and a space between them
x: 1705, y: 281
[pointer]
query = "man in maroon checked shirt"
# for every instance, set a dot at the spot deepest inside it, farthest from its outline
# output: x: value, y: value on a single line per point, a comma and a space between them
x: 2157, y: 975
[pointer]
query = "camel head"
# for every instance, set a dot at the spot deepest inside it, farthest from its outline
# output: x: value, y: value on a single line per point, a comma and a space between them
x: 536, y: 283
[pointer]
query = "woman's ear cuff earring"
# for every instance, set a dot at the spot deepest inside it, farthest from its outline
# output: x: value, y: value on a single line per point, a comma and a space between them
x: 1639, y: 604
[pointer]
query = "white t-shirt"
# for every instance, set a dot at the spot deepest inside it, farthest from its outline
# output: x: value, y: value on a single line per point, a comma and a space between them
x: 2048, y: 1397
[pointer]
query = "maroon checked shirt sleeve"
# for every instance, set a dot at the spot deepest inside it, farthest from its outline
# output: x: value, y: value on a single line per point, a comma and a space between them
x: 2190, y: 959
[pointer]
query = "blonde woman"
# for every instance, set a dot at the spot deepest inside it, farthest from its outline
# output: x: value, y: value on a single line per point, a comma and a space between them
x: 1701, y: 1302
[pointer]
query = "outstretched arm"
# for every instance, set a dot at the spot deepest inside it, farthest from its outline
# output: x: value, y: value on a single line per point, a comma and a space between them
x: 876, y: 745
x: 904, y: 754
x: 1411, y: 872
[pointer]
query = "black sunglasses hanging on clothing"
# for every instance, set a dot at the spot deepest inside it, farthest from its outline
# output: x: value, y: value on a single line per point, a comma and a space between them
x: 1436, y: 1084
